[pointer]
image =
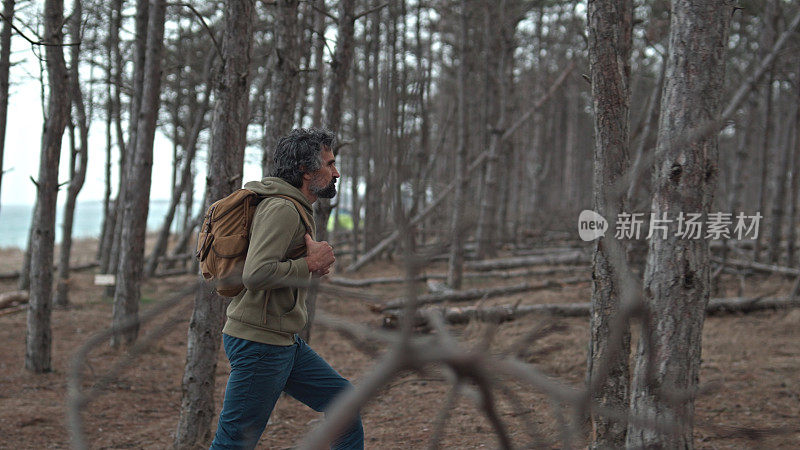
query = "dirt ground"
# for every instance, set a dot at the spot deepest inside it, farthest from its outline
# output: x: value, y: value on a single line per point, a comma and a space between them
x: 752, y: 360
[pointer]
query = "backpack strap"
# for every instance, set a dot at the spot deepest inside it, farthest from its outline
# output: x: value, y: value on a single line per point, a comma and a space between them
x: 300, y: 210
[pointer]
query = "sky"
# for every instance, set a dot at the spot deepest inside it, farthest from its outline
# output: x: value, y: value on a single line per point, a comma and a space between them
x: 24, y: 135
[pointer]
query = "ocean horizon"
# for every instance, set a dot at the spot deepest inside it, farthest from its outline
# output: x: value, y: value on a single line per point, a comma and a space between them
x: 15, y: 221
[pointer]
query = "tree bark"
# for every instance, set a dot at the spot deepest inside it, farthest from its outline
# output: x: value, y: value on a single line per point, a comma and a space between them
x: 109, y: 48
x: 794, y: 196
x: 487, y: 220
x: 137, y: 196
x: 455, y: 265
x: 225, y: 167
x: 5, y: 66
x: 676, y: 284
x: 285, y: 80
x: 78, y: 159
x: 126, y: 157
x: 340, y: 71
x: 767, y: 39
x: 320, y: 27
x: 610, y: 41
x: 38, y: 339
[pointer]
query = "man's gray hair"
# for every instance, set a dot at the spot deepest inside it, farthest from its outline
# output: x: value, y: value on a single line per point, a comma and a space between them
x: 299, y: 152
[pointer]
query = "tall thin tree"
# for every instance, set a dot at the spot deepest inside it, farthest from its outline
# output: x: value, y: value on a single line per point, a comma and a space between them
x: 610, y: 43
x: 5, y: 69
x: 38, y: 339
x: 455, y: 266
x: 676, y: 282
x: 340, y: 71
x: 137, y: 197
x: 78, y: 157
x: 225, y: 167
x: 285, y: 79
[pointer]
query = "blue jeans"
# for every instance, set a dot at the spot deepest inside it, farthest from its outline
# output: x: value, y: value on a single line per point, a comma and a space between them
x: 259, y: 372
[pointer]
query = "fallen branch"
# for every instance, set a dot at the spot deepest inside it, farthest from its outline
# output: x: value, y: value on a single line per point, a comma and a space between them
x: 73, y: 268
x: 349, y: 282
x: 757, y: 267
x: 574, y: 257
x: 15, y: 309
x: 8, y: 299
x: 173, y: 273
x: 506, y: 313
x: 473, y: 294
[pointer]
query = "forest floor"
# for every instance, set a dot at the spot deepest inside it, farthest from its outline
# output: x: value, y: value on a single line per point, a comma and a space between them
x: 752, y: 360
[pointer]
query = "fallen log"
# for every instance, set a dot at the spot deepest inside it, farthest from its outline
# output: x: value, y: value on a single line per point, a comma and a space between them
x: 506, y: 313
x: 573, y: 257
x: 350, y: 282
x: 542, y: 251
x: 9, y: 298
x: 757, y: 267
x: 176, y: 258
x: 12, y: 310
x: 474, y: 294
x: 76, y: 267
x: 173, y: 273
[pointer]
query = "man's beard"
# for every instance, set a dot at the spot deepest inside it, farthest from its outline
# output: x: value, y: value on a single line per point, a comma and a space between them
x: 328, y: 191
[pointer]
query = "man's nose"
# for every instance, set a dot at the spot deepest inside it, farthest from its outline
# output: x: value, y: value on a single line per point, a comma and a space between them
x: 335, y: 173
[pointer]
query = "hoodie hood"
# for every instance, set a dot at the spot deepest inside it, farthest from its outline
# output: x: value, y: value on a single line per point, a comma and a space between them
x: 275, y: 185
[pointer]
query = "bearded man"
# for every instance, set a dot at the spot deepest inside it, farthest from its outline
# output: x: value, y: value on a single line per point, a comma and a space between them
x: 260, y: 335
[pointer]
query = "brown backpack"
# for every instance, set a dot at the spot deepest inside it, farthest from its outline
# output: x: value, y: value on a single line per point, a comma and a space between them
x: 225, y: 236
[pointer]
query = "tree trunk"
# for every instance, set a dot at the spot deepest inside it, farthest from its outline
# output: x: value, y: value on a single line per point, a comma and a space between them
x: 38, y: 339
x: 111, y: 42
x: 225, y: 166
x: 137, y: 196
x: 320, y: 27
x: 24, y: 281
x: 766, y: 41
x: 5, y: 66
x: 340, y: 70
x: 78, y: 159
x: 487, y: 220
x: 794, y: 192
x: 285, y: 80
x: 190, y: 150
x: 610, y: 42
x: 779, y: 200
x: 676, y: 284
x: 455, y: 265
x: 126, y: 158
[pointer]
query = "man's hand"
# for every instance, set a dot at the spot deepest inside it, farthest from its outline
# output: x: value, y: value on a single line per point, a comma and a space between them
x: 319, y: 256
x: 320, y: 273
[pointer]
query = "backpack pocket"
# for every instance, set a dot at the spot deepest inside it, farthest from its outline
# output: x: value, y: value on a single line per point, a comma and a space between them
x: 230, y: 246
x: 227, y: 252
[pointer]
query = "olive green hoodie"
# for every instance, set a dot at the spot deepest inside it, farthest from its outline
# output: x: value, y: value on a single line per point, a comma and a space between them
x: 272, y: 308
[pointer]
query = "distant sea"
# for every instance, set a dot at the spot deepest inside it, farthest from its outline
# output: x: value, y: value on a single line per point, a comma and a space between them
x: 15, y: 221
